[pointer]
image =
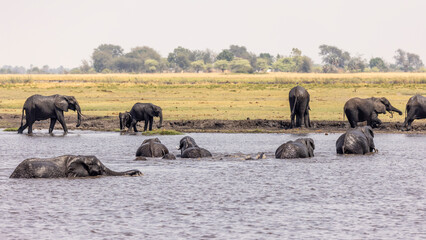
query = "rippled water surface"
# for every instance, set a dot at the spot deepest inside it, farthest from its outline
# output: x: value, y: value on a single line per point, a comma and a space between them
x: 380, y: 196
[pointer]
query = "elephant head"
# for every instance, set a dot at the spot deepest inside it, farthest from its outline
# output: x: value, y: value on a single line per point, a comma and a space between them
x: 64, y: 103
x: 186, y: 142
x: 81, y: 166
x: 381, y: 105
x: 156, y: 111
x: 125, y: 120
x: 309, y: 142
x: 369, y: 134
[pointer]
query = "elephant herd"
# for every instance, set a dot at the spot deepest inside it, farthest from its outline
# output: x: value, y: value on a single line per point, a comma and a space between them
x: 357, y: 140
x: 357, y: 109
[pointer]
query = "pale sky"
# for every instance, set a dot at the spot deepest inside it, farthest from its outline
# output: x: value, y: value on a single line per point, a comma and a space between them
x: 64, y: 33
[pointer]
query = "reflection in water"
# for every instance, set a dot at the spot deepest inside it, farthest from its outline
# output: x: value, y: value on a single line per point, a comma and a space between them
x: 327, y: 197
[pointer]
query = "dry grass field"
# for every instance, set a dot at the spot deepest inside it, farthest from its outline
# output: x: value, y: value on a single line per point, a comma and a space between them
x: 213, y: 95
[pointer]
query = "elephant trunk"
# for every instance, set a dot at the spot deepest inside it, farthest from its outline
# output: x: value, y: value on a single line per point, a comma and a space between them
x: 109, y: 172
x: 160, y: 125
x: 394, y: 110
x: 77, y: 107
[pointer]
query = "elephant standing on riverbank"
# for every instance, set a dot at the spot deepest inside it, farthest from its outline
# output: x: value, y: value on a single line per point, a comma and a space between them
x: 360, y: 110
x: 190, y: 149
x: 38, y: 107
x: 141, y: 112
x: 300, y: 148
x: 152, y: 148
x: 356, y: 141
x: 299, y: 107
x: 67, y: 166
x: 415, y: 109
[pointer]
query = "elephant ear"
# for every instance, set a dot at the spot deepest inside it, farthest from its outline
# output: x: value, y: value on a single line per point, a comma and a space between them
x: 368, y: 131
x: 379, y: 107
x: 61, y: 102
x: 310, y: 141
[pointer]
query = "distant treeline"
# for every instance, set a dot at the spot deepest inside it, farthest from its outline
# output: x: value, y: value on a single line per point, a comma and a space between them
x: 109, y: 58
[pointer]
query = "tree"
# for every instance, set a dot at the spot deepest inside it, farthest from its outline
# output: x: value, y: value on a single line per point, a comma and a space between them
x: 334, y: 56
x: 151, y: 65
x: 262, y: 64
x: 285, y: 64
x: 181, y: 58
x: 84, y: 67
x: 104, y: 55
x: 240, y: 52
x: 221, y: 64
x: 407, y: 61
x: 225, y: 55
x: 198, y: 65
x: 268, y: 57
x: 240, y: 65
x: 356, y: 64
x: 378, y: 63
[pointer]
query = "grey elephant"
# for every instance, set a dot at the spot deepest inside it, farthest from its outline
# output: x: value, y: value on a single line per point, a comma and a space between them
x: 38, y: 107
x: 356, y: 141
x: 190, y: 149
x: 141, y: 112
x: 360, y: 110
x: 415, y: 109
x: 300, y: 148
x: 67, y: 166
x: 152, y: 148
x: 299, y: 107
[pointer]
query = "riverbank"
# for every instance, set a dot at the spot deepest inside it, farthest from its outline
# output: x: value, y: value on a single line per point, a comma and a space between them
x: 111, y: 123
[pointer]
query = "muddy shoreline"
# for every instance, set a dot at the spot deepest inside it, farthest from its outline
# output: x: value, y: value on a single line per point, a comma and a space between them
x: 111, y: 123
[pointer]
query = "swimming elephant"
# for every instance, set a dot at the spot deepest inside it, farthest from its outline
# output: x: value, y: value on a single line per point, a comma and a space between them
x: 300, y: 148
x: 299, y: 107
x: 415, y: 109
x: 152, y: 148
x: 141, y: 112
x: 356, y: 141
x: 67, y: 166
x: 190, y: 149
x: 38, y: 107
x: 360, y: 110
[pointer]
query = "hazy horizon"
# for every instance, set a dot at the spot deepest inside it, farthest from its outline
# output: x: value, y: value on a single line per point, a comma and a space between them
x: 63, y: 33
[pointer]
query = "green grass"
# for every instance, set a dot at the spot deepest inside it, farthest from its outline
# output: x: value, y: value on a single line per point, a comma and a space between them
x: 161, y: 132
x: 10, y: 129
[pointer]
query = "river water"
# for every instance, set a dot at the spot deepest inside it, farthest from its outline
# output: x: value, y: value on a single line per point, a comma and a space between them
x: 379, y: 196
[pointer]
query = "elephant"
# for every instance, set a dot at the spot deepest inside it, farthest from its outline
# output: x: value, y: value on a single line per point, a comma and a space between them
x: 139, y: 112
x: 38, y: 107
x: 300, y: 148
x: 360, y: 110
x: 66, y: 166
x: 415, y: 109
x: 299, y: 107
x: 190, y: 149
x: 356, y: 141
x: 152, y: 148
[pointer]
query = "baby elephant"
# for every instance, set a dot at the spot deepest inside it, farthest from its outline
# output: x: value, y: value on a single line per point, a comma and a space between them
x: 190, y: 149
x: 67, y: 166
x: 300, y: 148
x: 152, y: 148
x: 356, y: 141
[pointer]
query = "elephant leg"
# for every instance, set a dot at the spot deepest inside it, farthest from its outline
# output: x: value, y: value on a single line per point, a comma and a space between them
x: 307, y: 120
x: 61, y: 120
x: 299, y: 119
x: 30, y: 127
x: 292, y: 120
x: 151, y: 120
x: 146, y: 124
x: 52, y: 124
x: 21, y: 129
x: 133, y: 125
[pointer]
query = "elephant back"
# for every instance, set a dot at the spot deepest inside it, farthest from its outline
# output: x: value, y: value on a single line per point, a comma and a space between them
x: 196, y: 152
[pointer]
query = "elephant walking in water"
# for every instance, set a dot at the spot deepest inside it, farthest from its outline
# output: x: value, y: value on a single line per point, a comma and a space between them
x: 300, y: 148
x: 299, y: 107
x: 360, y: 110
x: 152, y: 148
x: 141, y: 112
x: 38, y: 107
x: 190, y: 149
x: 356, y: 141
x: 67, y: 166
x: 415, y: 109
